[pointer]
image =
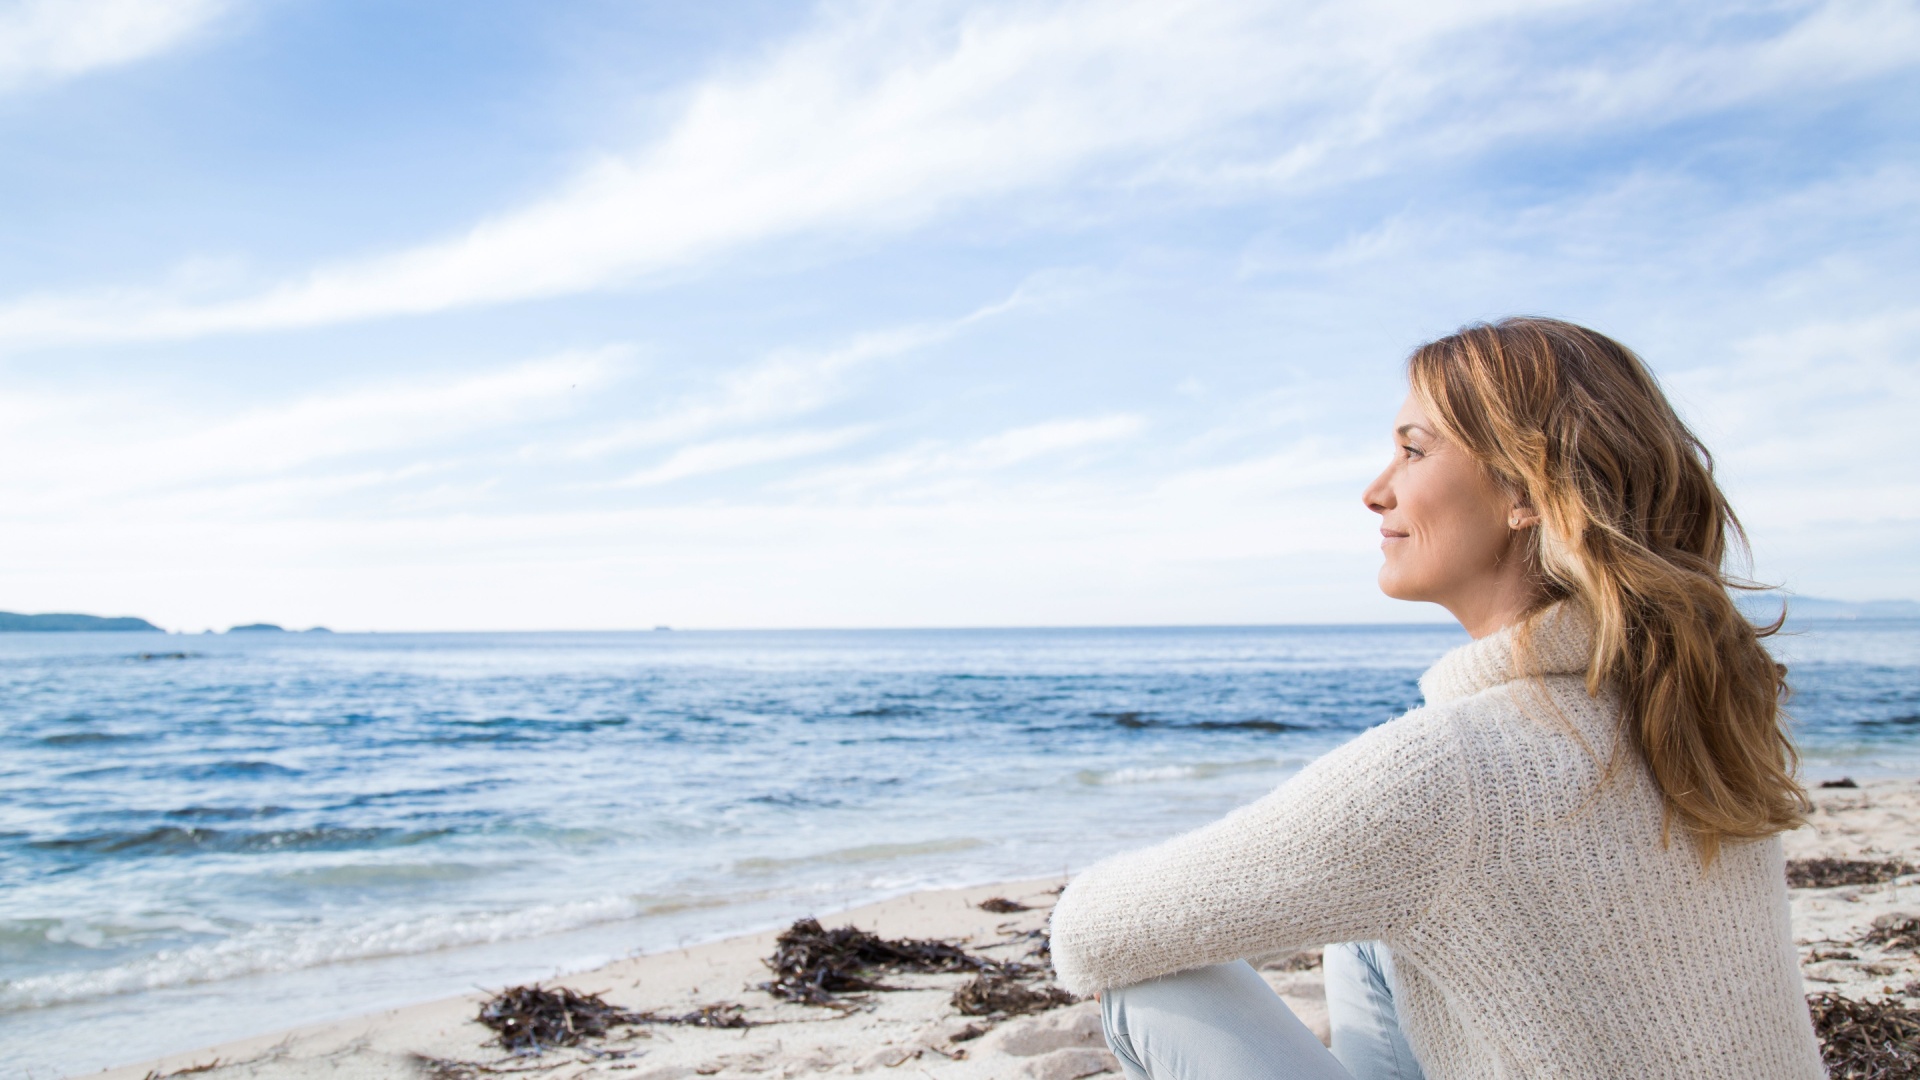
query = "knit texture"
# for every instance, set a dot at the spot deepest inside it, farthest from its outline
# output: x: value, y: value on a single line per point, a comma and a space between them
x: 1539, y: 926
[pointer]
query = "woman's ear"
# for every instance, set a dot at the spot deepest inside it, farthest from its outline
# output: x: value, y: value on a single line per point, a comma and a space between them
x: 1522, y: 516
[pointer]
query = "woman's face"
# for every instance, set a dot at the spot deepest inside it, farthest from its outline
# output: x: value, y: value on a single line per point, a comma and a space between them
x: 1447, y: 529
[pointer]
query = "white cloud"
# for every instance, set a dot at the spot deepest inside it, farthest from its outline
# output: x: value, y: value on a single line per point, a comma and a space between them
x: 722, y: 455
x: 934, y: 468
x: 789, y: 383
x: 97, y: 450
x: 43, y: 40
x: 886, y: 115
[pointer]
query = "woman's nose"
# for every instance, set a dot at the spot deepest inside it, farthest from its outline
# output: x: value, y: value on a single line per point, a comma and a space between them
x: 1379, y: 495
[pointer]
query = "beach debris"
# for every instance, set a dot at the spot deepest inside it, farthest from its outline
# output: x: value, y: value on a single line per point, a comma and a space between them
x: 533, y: 1018
x: 1303, y: 960
x: 813, y: 965
x: 433, y: 1068
x: 1826, y: 873
x: 1866, y: 1040
x: 720, y: 1014
x: 205, y: 1066
x: 1843, y: 782
x: 1894, y: 930
x: 1043, y: 950
x: 968, y: 1033
x: 1000, y: 905
x: 1003, y: 994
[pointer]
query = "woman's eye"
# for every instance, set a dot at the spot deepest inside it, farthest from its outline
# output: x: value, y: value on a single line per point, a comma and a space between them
x: 1412, y: 451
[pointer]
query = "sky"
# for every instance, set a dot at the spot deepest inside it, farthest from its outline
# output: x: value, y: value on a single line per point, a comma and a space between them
x: 397, y: 315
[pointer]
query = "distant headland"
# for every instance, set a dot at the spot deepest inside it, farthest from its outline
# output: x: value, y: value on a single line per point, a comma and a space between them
x: 1766, y: 605
x: 66, y: 623
x: 63, y: 623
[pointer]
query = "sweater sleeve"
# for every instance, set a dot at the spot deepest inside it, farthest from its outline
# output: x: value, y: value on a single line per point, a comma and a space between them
x: 1353, y: 847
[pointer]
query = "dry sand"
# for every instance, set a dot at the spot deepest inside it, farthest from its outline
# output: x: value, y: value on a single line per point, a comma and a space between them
x: 911, y: 1033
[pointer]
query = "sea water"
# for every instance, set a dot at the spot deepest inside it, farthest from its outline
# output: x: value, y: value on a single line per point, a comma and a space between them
x: 208, y: 837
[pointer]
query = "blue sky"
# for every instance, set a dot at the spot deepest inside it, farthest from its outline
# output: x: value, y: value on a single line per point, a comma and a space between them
x: 391, y: 315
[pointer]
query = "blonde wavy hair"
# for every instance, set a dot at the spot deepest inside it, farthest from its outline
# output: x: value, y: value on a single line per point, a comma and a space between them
x: 1634, y: 530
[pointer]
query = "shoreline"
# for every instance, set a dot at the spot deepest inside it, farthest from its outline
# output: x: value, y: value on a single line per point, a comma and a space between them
x: 1878, y: 820
x: 918, y: 1020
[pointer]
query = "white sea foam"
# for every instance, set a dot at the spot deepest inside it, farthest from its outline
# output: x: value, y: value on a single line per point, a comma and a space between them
x: 270, y: 949
x: 1153, y: 774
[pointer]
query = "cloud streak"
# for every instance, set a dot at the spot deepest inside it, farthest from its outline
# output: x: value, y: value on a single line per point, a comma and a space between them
x: 47, y: 40
x: 885, y: 116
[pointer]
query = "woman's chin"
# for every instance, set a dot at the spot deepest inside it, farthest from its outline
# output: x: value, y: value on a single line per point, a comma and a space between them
x: 1397, y: 587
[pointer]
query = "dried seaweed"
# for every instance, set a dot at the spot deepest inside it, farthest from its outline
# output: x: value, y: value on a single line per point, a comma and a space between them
x: 813, y: 966
x: 533, y: 1018
x: 205, y: 1066
x: 1866, y: 1040
x: 433, y: 1068
x: 1000, y: 905
x: 994, y: 994
x: 1825, y: 873
x: 1894, y: 931
x: 1843, y: 782
x: 720, y: 1014
x: 1042, y: 950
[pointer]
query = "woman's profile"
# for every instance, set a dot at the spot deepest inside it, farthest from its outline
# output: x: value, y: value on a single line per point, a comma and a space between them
x: 1566, y: 862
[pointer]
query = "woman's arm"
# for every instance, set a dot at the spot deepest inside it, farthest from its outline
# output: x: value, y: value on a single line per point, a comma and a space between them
x: 1355, y: 846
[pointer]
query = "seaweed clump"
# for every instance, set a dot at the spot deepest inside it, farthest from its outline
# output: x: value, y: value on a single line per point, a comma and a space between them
x: 813, y: 965
x: 1866, y: 1040
x: 1001, y: 994
x: 1894, y: 931
x: 532, y: 1018
x: 1000, y: 905
x: 1825, y: 873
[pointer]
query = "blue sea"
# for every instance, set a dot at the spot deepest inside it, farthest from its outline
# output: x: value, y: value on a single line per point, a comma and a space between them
x: 207, y: 837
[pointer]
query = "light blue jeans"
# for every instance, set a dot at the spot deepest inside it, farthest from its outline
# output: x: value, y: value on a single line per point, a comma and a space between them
x: 1225, y: 1023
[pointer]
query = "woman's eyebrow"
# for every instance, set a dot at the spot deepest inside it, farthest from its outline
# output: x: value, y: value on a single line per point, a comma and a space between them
x: 1405, y: 430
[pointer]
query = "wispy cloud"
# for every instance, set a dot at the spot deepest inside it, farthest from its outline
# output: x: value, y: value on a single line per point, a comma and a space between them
x: 886, y: 115
x: 44, y: 40
x: 791, y: 382
x: 935, y: 468
x: 722, y: 455
x: 91, y: 449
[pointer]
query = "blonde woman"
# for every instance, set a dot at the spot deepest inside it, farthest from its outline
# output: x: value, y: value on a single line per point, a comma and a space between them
x: 1566, y: 863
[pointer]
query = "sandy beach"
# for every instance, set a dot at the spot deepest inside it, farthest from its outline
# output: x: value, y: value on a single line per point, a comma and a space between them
x: 917, y: 1030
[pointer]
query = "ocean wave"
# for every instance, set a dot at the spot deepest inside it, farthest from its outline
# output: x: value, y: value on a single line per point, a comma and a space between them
x: 186, y: 840
x: 267, y: 950
x: 1150, y: 774
x: 1139, y: 720
x: 92, y: 738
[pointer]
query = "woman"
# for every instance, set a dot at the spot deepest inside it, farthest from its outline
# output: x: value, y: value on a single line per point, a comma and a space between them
x: 1566, y: 863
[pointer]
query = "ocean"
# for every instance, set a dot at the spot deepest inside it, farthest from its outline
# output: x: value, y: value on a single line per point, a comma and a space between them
x: 207, y: 837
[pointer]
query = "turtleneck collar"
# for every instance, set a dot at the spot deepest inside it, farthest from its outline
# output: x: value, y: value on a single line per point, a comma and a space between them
x: 1562, y: 645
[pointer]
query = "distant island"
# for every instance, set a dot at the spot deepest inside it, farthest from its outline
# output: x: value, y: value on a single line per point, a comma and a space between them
x: 273, y: 628
x: 13, y: 623
x: 1766, y: 605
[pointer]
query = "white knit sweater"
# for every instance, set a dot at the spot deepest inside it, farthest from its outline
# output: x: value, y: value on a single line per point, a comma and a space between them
x: 1539, y: 927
